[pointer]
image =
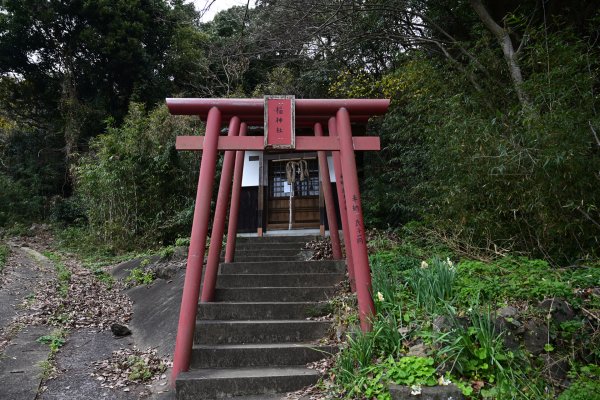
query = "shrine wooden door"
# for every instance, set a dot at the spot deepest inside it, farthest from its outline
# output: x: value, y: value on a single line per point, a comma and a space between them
x: 303, y: 192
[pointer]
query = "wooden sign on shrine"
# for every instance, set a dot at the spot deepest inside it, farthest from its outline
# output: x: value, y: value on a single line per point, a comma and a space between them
x: 280, y: 116
x: 280, y: 131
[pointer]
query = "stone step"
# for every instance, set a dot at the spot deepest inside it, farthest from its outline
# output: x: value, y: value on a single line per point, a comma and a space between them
x: 266, y: 331
x: 278, y: 280
x: 276, y: 239
x: 258, y: 355
x: 269, y: 246
x: 222, y: 383
x: 262, y: 310
x: 261, y: 294
x: 266, y: 252
x: 272, y: 257
x: 276, y: 267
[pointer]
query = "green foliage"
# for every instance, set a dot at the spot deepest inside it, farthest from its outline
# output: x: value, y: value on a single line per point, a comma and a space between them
x: 135, y: 187
x: 55, y: 340
x: 4, y: 252
x: 29, y: 173
x: 167, y: 252
x: 139, y: 276
x: 140, y: 370
x: 182, y: 242
x: 586, y: 384
x: 432, y: 283
x: 476, y: 350
x: 519, y: 278
x: 81, y: 65
x: 469, y: 162
x: 411, y: 370
x: 63, y: 273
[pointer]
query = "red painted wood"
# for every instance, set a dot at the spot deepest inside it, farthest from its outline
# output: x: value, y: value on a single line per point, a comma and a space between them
x: 358, y: 240
x: 255, y: 107
x: 193, y: 272
x: 329, y: 206
x: 304, y: 121
x: 234, y: 209
x: 339, y: 185
x: 303, y: 143
x: 216, y: 237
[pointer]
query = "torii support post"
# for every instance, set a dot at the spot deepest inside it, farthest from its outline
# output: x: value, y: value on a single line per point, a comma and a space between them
x: 234, y: 209
x: 193, y: 274
x: 358, y: 242
x: 339, y: 185
x: 329, y: 206
x: 216, y: 238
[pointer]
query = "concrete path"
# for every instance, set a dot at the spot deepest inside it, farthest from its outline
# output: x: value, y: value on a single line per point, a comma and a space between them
x: 21, y: 355
x: 74, y: 360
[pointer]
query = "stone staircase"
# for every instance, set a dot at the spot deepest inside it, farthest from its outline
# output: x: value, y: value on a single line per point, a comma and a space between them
x: 255, y: 340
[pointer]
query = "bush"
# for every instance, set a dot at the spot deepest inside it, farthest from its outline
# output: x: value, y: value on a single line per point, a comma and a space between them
x: 135, y: 187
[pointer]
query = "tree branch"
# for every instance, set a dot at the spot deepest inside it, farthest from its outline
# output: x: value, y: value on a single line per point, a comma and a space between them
x: 508, y: 50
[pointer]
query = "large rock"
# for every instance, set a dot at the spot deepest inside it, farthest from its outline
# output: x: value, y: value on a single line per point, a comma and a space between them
x: 442, y: 324
x: 418, y: 350
x: 507, y: 312
x: 512, y: 329
x: 536, y: 336
x: 559, y: 310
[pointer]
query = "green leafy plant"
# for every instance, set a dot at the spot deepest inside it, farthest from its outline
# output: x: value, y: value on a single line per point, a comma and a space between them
x: 411, y: 370
x: 182, y: 242
x: 4, y: 252
x: 139, y: 276
x: 586, y: 384
x: 167, y: 252
x: 55, y: 340
x: 476, y: 350
x: 139, y: 369
x: 432, y: 283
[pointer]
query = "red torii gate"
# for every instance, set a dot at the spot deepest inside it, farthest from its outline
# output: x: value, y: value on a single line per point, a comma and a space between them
x: 240, y: 113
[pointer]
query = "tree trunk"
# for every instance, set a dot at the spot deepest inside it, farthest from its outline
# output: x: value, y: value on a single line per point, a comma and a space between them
x: 510, y: 55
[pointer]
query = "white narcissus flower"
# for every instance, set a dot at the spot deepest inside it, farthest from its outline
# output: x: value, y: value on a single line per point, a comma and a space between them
x: 449, y: 262
x: 415, y: 390
x: 442, y: 381
x: 424, y: 264
x: 380, y: 296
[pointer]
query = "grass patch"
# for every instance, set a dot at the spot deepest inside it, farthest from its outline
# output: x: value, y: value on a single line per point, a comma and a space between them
x: 520, y: 278
x: 4, y: 252
x: 63, y: 274
x: 55, y: 340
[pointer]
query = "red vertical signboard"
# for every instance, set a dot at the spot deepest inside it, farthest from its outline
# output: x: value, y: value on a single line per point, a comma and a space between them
x: 279, y: 122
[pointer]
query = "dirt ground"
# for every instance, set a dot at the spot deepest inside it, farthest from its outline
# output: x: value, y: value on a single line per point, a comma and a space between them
x: 32, y: 307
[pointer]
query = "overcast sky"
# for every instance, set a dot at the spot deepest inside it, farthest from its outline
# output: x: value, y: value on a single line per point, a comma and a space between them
x: 217, y: 6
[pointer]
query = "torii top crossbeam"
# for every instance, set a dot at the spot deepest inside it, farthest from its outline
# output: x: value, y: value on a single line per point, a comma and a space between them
x: 280, y: 115
x: 254, y: 108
